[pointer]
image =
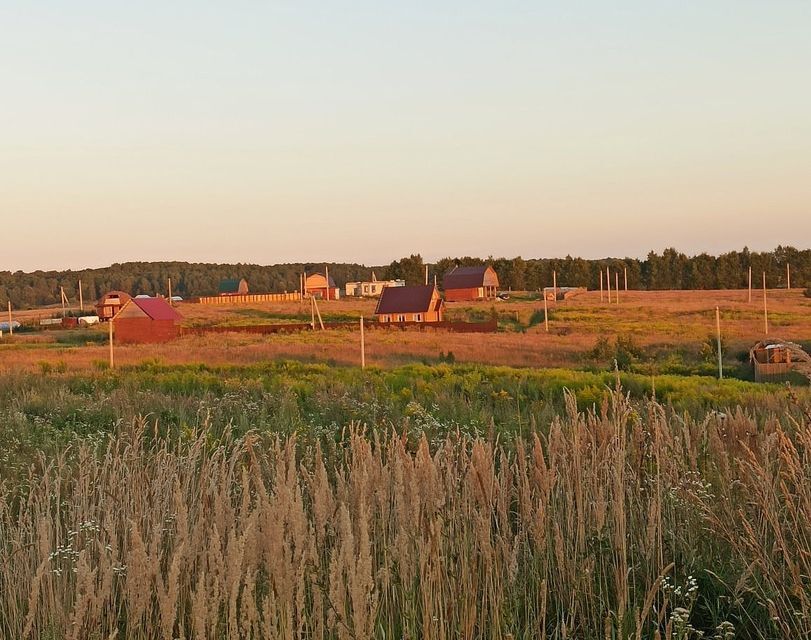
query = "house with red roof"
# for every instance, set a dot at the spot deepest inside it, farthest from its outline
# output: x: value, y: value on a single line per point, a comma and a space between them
x: 143, y: 320
x: 470, y: 283
x: 410, y: 304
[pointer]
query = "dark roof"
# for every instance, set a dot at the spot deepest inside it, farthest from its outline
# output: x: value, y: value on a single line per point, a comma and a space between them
x: 464, y: 277
x: 405, y: 299
x: 230, y: 286
x: 122, y: 296
x: 156, y: 308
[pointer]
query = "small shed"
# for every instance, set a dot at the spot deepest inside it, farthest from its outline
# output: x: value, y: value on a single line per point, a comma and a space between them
x: 144, y: 320
x: 317, y: 285
x: 775, y: 360
x: 110, y: 304
x: 233, y: 287
x: 470, y: 283
x: 410, y: 304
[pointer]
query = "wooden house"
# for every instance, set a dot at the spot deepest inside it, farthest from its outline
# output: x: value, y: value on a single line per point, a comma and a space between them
x: 470, y: 283
x: 317, y: 285
x: 234, y: 287
x: 142, y: 320
x: 110, y: 304
x: 410, y: 304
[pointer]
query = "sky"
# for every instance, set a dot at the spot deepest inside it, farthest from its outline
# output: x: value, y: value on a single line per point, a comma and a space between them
x: 270, y: 132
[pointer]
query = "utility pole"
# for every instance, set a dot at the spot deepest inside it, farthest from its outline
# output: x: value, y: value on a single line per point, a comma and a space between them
x: 170, y: 292
x: 326, y: 275
x: 63, y: 298
x: 81, y: 296
x: 718, y: 333
x: 546, y: 312
x: 362, y: 346
x: 10, y: 326
x: 788, y: 276
x: 555, y: 284
x: 617, y: 286
x: 602, y: 297
x: 112, y: 361
x: 626, y: 279
x: 426, y: 275
x: 750, y: 284
x: 765, y: 307
x: 608, y: 282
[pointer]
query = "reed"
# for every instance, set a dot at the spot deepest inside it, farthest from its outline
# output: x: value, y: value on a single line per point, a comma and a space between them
x: 626, y: 521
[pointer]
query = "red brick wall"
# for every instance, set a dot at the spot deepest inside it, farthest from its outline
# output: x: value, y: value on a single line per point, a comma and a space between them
x: 142, y: 330
x: 455, y: 295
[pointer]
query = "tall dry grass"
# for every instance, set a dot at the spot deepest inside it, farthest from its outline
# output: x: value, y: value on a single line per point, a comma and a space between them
x: 625, y: 523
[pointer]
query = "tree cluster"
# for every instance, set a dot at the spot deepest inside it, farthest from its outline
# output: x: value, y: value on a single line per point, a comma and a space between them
x: 669, y: 270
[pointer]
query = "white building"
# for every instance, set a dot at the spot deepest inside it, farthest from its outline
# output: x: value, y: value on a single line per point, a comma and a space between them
x: 372, y: 288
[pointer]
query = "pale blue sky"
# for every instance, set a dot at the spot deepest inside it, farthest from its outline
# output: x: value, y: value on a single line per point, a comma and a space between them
x: 269, y: 132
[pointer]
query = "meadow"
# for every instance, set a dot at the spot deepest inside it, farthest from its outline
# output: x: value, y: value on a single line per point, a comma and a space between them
x: 452, y: 489
x: 284, y: 500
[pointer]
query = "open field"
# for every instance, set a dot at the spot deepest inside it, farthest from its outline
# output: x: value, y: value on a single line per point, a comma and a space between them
x: 668, y: 331
x: 290, y: 500
x: 499, y: 486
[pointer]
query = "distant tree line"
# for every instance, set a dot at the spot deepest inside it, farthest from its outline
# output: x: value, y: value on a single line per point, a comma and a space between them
x: 669, y: 270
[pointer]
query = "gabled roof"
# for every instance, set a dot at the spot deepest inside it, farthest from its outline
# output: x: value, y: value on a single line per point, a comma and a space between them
x: 406, y: 299
x: 120, y: 296
x: 153, y: 308
x: 466, y: 277
x: 320, y: 278
x: 230, y: 286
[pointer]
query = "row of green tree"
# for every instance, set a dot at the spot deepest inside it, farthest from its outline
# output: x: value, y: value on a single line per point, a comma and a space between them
x: 669, y: 270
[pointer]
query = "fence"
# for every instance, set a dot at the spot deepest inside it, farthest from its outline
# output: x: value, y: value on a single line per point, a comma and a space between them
x: 248, y: 298
x: 291, y: 327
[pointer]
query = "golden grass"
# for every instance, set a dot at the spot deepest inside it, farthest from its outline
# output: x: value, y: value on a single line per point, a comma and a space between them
x: 666, y: 320
x: 577, y: 534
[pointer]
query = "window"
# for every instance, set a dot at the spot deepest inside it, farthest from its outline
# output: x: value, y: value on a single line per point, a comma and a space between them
x: 418, y: 317
x: 401, y: 318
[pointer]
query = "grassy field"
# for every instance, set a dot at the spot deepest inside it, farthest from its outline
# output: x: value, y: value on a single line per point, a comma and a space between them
x: 662, y: 332
x: 592, y: 482
x: 283, y: 500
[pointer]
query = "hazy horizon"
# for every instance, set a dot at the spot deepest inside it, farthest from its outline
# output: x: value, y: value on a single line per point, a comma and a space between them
x: 302, y: 133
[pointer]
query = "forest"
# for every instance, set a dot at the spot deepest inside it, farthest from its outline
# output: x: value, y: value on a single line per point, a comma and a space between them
x: 670, y: 269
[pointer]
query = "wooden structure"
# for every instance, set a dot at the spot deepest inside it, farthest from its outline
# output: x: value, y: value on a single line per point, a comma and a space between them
x: 470, y: 283
x: 562, y: 293
x: 371, y: 288
x: 234, y: 287
x: 410, y: 304
x: 110, y: 304
x: 247, y: 299
x: 316, y: 285
x: 775, y: 360
x: 143, y: 320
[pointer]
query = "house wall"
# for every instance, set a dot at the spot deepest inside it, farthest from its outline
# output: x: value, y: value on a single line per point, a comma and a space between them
x: 430, y: 316
x: 472, y: 293
x: 144, y: 330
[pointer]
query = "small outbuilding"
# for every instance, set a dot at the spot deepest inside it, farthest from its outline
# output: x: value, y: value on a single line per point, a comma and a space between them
x: 410, y: 304
x: 470, y: 283
x: 371, y: 288
x: 233, y: 287
x: 775, y: 360
x: 317, y: 285
x: 110, y: 304
x: 143, y: 320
